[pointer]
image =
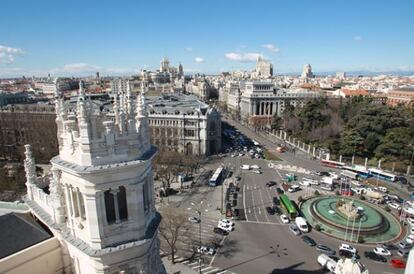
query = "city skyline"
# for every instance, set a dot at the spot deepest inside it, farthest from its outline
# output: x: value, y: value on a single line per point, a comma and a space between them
x: 81, y: 38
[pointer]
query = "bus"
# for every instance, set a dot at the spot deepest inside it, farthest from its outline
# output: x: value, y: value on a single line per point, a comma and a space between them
x: 287, y: 204
x: 361, y: 171
x: 382, y: 175
x: 330, y: 163
x: 217, y: 177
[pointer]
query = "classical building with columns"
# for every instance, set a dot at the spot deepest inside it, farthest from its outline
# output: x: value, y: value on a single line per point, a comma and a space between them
x: 261, y: 100
x: 98, y: 200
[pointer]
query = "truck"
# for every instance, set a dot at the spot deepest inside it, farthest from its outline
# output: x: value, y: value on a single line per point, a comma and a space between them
x: 326, y: 262
x: 374, y: 195
x: 302, y: 224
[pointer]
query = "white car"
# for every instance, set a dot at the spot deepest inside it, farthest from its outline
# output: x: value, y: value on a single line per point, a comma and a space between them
x: 225, y: 227
x: 304, y: 183
x: 255, y: 167
x: 394, y: 206
x: 257, y: 171
x: 348, y: 248
x: 227, y: 222
x: 193, y: 220
x: 382, y: 251
x: 410, y: 239
x: 206, y: 250
x: 293, y: 188
x: 284, y: 218
x: 410, y: 221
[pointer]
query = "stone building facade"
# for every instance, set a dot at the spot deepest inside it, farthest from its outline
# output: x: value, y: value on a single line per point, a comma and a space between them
x: 184, y: 124
x: 98, y: 200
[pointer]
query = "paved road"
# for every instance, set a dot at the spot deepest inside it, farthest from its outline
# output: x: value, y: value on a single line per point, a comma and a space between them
x: 262, y: 244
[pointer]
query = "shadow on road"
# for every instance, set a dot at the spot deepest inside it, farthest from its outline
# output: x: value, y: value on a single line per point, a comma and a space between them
x: 292, y: 270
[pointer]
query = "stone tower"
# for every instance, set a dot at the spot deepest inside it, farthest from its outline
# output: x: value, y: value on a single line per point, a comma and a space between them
x: 100, y: 198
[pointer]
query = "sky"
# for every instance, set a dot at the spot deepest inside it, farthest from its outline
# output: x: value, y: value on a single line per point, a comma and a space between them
x: 77, y: 38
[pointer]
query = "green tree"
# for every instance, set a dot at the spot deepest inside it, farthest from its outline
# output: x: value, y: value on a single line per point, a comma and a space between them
x: 395, y: 142
x: 351, y: 141
x: 276, y: 122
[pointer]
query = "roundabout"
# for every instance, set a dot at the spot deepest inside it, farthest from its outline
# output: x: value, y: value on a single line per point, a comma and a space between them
x: 351, y: 219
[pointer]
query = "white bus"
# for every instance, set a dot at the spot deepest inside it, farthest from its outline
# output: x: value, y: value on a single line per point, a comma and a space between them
x: 382, y: 175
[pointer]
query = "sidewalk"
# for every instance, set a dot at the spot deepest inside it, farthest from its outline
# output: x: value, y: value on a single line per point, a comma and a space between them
x: 177, y: 267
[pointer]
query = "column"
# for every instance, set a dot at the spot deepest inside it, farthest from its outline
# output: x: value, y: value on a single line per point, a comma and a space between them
x: 66, y: 189
x: 115, y: 193
x: 96, y: 217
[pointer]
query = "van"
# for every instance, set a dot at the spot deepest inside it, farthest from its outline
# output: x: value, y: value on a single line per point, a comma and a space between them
x: 294, y: 188
x: 302, y: 224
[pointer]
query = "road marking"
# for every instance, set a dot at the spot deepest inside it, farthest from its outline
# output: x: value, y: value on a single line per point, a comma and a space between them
x: 222, y: 272
x: 208, y: 267
x: 265, y: 223
x: 215, y: 254
x: 263, y: 203
x: 254, y: 207
x: 212, y: 270
x: 244, y: 202
x: 193, y: 263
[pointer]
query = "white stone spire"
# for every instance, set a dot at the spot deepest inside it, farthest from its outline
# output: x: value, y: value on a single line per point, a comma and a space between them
x: 129, y: 109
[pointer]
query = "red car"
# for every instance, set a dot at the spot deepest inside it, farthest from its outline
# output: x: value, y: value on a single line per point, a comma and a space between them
x: 397, y: 263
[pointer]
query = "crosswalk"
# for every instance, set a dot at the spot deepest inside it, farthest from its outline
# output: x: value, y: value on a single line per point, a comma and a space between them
x: 205, y: 269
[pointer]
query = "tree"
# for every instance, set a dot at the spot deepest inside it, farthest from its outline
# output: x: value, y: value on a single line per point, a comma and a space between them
x: 276, y: 122
x: 395, y: 142
x: 173, y: 228
x: 351, y: 140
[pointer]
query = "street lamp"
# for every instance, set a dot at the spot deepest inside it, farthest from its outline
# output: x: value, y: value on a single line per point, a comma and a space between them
x: 198, y: 210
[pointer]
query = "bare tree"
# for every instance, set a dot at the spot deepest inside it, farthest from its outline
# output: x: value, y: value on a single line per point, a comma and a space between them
x: 173, y: 228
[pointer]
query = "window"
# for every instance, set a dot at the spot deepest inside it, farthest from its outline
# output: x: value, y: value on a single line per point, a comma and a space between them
x: 122, y: 204
x: 109, y: 207
x: 189, y: 133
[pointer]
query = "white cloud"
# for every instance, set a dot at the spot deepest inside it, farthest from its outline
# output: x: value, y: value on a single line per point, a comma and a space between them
x: 189, y: 49
x: 271, y: 47
x: 199, y: 60
x: 357, y: 38
x: 7, y: 54
x: 243, y: 57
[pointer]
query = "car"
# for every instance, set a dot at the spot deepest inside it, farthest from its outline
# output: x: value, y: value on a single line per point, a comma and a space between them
x: 193, y: 220
x: 326, y: 250
x: 277, y: 210
x: 279, y: 190
x: 410, y: 222
x: 208, y: 250
x: 270, y: 210
x: 404, y: 245
x: 396, y: 263
x: 284, y: 218
x: 257, y: 171
x: 225, y: 227
x: 403, y: 252
x: 375, y: 257
x: 271, y: 183
x: 304, y: 183
x: 394, y: 206
x: 348, y: 248
x: 220, y: 231
x: 226, y: 221
x: 410, y: 239
x: 293, y: 188
x: 294, y: 229
x: 238, y: 178
x: 348, y: 254
x: 276, y: 201
x: 308, y: 240
x: 382, y: 251
x: 255, y: 167
x: 323, y: 173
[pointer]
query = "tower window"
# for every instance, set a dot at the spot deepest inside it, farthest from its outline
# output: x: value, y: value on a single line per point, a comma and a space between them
x: 109, y: 207
x: 122, y: 203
